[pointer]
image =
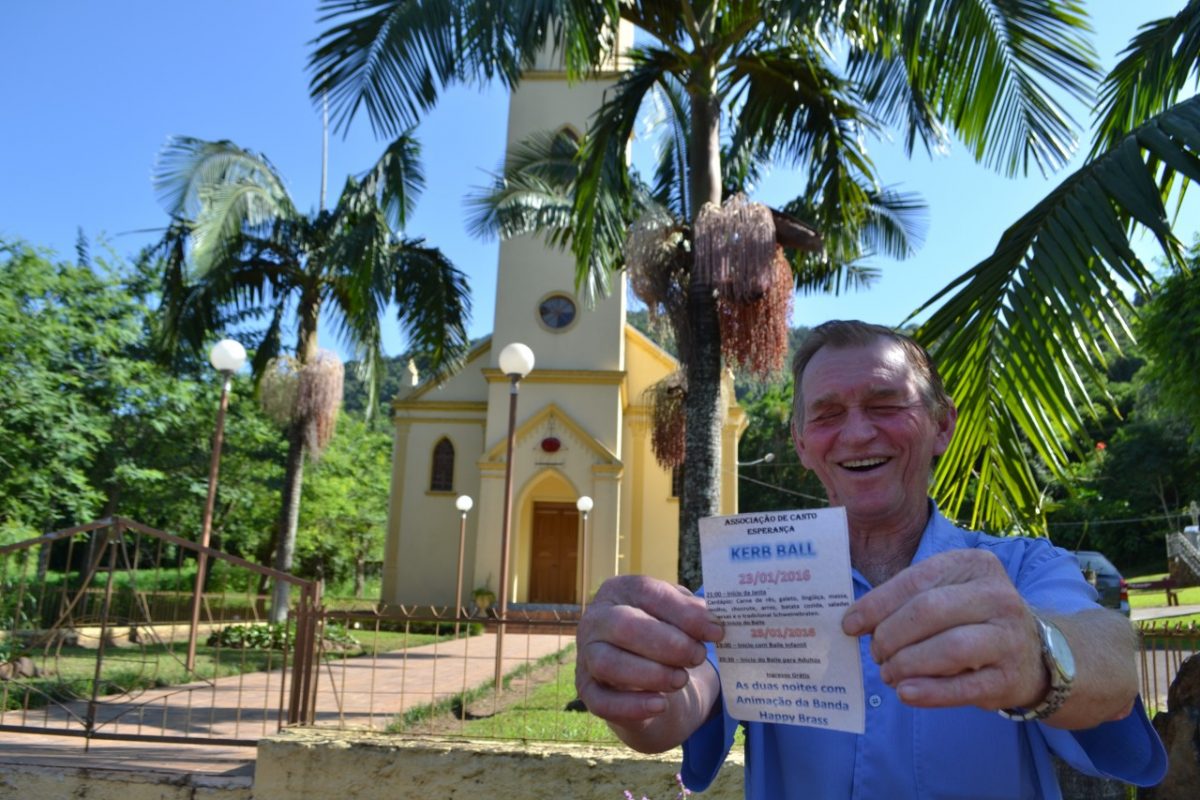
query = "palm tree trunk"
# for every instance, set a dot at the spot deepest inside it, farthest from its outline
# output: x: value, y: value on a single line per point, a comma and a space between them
x: 289, y: 518
x: 309, y: 311
x: 702, y: 406
x: 702, y: 459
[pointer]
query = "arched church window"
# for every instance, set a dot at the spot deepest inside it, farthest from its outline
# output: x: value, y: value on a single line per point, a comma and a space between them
x: 441, y: 478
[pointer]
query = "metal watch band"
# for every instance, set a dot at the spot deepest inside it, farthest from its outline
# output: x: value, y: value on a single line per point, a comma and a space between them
x: 1061, y: 676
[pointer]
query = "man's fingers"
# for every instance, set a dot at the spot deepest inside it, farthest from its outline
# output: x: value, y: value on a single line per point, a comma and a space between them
x: 667, y: 602
x: 635, y: 644
x: 621, y: 669
x: 634, y: 630
x: 944, y: 608
x: 944, y: 569
x: 977, y: 688
x: 968, y: 648
x: 620, y: 706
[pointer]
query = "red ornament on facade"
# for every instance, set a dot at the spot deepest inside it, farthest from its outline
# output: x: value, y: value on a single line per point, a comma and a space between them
x: 551, y: 444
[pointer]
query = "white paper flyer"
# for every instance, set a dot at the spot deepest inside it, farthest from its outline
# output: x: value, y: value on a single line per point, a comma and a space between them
x: 780, y: 581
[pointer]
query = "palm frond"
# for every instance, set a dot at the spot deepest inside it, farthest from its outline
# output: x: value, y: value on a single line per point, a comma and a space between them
x: 858, y: 223
x: 670, y: 187
x: 1155, y: 69
x: 532, y: 193
x: 394, y: 57
x: 987, y: 67
x: 187, y: 168
x: 793, y: 106
x: 1017, y: 333
x: 396, y: 180
x: 601, y: 207
x: 433, y: 299
x: 228, y: 212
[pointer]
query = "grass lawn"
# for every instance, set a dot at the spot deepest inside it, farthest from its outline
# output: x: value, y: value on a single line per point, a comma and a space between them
x: 541, y: 715
x: 1158, y: 599
x: 1187, y: 597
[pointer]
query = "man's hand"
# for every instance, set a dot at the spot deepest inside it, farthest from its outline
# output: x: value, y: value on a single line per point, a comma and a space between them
x: 952, y: 631
x: 640, y: 662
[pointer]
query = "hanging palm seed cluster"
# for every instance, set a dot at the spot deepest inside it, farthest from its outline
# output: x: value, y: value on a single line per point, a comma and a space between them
x: 667, y: 417
x: 657, y: 257
x: 277, y: 389
x: 737, y: 254
x: 319, y: 399
x: 733, y: 249
x: 308, y: 393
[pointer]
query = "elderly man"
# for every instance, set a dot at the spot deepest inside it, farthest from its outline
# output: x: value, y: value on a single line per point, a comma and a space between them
x: 981, y: 655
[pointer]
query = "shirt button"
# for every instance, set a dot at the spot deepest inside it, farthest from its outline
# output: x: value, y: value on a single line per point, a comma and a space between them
x: 875, y: 701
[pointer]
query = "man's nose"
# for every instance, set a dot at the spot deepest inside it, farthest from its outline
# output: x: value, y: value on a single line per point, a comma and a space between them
x: 858, y: 425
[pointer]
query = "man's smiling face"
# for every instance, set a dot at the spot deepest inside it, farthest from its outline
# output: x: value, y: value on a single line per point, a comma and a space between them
x: 868, y: 435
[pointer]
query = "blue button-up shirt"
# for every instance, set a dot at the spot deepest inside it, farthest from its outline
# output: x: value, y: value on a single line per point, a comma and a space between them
x: 909, y: 752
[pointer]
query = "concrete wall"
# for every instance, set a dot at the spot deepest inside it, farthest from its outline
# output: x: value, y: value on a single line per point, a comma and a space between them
x: 308, y: 764
x: 320, y: 765
x: 43, y: 782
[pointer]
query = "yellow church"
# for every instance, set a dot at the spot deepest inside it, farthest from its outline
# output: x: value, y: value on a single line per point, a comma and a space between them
x: 582, y: 428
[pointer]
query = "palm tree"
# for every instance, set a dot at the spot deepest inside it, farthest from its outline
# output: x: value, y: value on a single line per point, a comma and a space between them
x: 758, y: 75
x: 237, y: 250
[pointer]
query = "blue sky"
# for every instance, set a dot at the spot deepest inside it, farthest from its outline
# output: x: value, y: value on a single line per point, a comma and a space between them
x: 93, y: 90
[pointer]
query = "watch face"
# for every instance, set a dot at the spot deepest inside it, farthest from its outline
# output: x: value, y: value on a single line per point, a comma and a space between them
x: 1060, y: 652
x: 557, y: 311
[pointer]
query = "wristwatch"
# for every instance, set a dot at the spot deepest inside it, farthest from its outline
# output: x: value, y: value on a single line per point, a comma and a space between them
x: 1060, y: 663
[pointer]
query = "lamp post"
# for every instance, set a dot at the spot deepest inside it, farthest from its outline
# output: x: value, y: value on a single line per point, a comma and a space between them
x: 516, y: 361
x: 767, y: 459
x: 463, y: 504
x: 227, y: 356
x: 584, y: 504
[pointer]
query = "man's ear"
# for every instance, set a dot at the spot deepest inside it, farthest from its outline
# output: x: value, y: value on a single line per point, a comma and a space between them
x: 945, y: 430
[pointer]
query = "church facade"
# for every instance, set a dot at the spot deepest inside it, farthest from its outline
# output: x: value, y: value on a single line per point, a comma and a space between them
x: 582, y: 428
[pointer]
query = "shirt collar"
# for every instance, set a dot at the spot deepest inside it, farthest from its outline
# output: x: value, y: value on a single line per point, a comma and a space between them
x: 939, y: 536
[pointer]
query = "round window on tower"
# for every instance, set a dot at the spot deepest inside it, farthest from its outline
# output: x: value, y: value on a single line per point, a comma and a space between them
x: 557, y: 311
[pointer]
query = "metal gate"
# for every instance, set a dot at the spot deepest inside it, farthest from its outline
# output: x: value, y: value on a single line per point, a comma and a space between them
x: 99, y: 626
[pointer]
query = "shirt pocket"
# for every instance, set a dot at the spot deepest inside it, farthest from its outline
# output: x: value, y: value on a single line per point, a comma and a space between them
x: 971, y: 753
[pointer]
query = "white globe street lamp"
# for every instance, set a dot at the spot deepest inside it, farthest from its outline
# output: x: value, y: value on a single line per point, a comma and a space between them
x: 516, y: 361
x: 227, y: 356
x: 584, y: 505
x: 463, y: 503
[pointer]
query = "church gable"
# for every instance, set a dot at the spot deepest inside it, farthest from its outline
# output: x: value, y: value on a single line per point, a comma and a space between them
x: 556, y: 439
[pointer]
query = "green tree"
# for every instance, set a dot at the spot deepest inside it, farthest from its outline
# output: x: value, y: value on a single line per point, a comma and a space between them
x: 759, y: 76
x: 345, y: 506
x: 64, y: 330
x: 237, y: 249
x: 91, y: 426
x: 1170, y: 333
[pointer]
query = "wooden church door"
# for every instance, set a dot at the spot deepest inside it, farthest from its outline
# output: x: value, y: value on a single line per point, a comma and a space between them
x: 554, y: 555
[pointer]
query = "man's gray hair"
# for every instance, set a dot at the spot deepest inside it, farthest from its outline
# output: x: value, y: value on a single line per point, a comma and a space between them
x: 840, y: 333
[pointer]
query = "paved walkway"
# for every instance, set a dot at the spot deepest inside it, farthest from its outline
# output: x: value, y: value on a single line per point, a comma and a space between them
x: 360, y: 693
x: 1162, y: 612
